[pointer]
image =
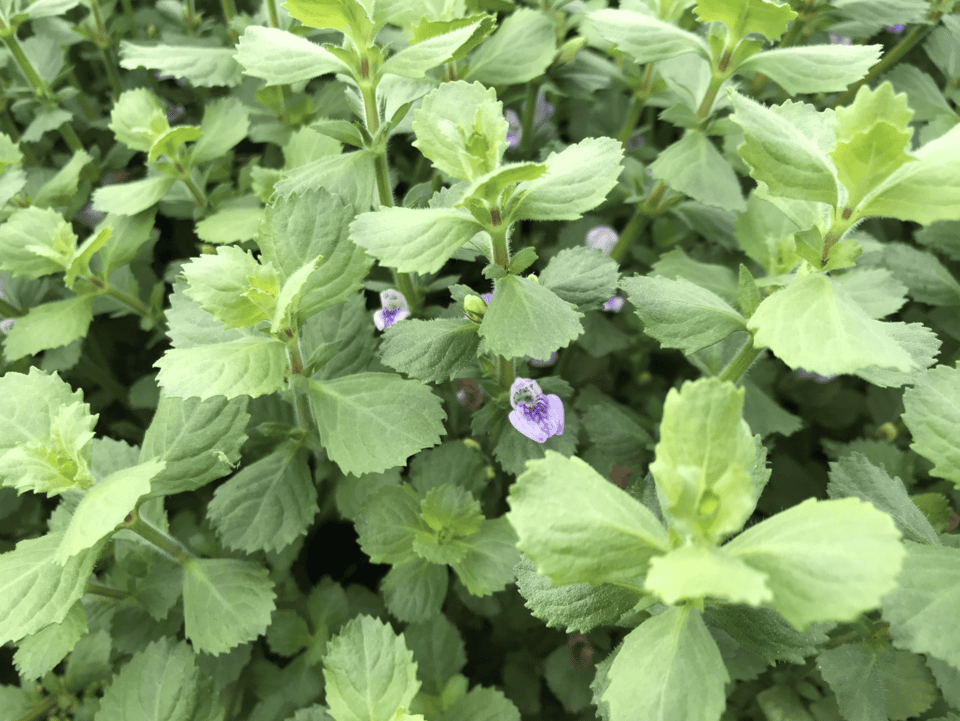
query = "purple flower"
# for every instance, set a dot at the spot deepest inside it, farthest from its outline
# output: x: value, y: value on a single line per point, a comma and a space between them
x: 603, y: 238
x: 839, y: 39
x: 811, y: 376
x: 895, y: 29
x: 535, y: 415
x: 614, y: 304
x: 394, y: 308
x: 542, y: 112
x: 543, y: 363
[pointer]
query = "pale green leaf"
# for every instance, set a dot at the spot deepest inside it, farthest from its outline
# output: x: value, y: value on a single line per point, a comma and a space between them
x: 233, y: 286
x: 138, y: 118
x: 698, y: 571
x: 267, y: 505
x: 414, y: 61
x: 645, y: 38
x: 226, y: 602
x: 348, y: 16
x: 742, y: 17
x: 581, y: 276
x: 853, y: 673
x: 766, y: 633
x: 491, y: 556
x: 520, y: 50
x: 560, y: 506
x: 105, y: 505
x: 388, y: 524
x: 825, y: 560
x: 198, y: 441
x: 35, y: 590
x: 162, y: 682
x: 650, y: 677
x: 40, y: 652
x: 279, y: 57
x: 431, y: 350
x: 578, y: 179
x: 526, y: 319
x: 696, y: 168
x: 814, y: 68
x: 350, y: 175
x: 932, y: 414
x: 50, y: 325
x: 680, y: 314
x: 36, y: 242
x: 415, y: 589
x: 370, y: 422
x: 927, y: 279
x: 225, y: 123
x: 369, y: 671
x: 479, y: 704
x: 202, y: 66
x: 415, y: 239
x: 132, y: 198
x: 229, y: 225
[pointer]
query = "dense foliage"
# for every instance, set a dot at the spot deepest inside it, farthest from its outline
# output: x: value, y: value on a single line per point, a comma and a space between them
x: 472, y: 360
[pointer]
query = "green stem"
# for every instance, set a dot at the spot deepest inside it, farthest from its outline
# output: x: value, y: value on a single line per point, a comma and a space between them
x: 229, y: 13
x: 498, y: 235
x: 639, y: 100
x: 703, y: 112
x: 42, y: 709
x: 368, y: 90
x: 195, y: 191
x: 158, y: 538
x: 10, y: 311
x: 81, y: 96
x: 630, y: 233
x: 273, y: 14
x: 899, y: 50
x: 506, y: 372
x: 656, y: 195
x: 102, y: 41
x: 738, y: 366
x: 526, y: 125
x: 106, y: 591
x: 295, y: 360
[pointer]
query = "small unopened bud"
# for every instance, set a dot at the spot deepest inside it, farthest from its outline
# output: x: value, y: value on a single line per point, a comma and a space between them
x: 474, y: 307
x: 207, y: 249
x: 888, y: 432
x: 534, y: 278
x: 470, y: 443
x: 568, y: 51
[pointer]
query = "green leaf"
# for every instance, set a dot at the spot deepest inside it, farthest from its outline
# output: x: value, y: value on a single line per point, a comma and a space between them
x: 80, y: 263
x: 461, y: 129
x: 202, y: 66
x: 414, y: 61
x: 344, y: 132
x: 439, y: 651
x: 279, y: 57
x: 924, y: 191
x: 560, y: 506
x: 430, y: 350
x: 370, y: 422
x: 927, y: 279
x: 197, y: 440
x: 129, y: 233
x: 650, y: 675
x: 35, y: 242
x: 50, y: 325
x: 369, y: 671
x: 825, y: 560
x: 704, y: 457
x: 765, y: 632
x: 575, y: 607
x: 698, y: 571
x: 680, y: 314
x: 479, y: 704
x: 415, y: 239
x: 352, y: 174
x: 577, y: 180
x: 414, y: 590
x: 226, y: 602
x: 522, y: 260
x: 297, y: 229
x: 520, y: 50
x: 814, y: 68
x: 132, y: 198
x: 64, y: 186
x: 696, y: 168
x: 870, y: 157
x: 770, y: 19
x: 389, y: 523
x: 645, y: 38
x: 780, y: 151
x: 142, y: 688
x: 810, y: 325
x: 348, y: 16
x: 920, y: 610
x: 138, y: 119
x: 526, y: 319
x: 340, y: 340
x: 488, y: 188
x: 267, y: 505
x: 253, y: 365
x: 491, y: 556
x: 40, y: 652
x: 230, y: 224
x: 581, y: 276
x: 932, y: 412
x: 35, y: 590
x: 855, y: 476
x: 288, y: 633
x: 225, y: 123
x: 104, y: 506
x: 45, y: 434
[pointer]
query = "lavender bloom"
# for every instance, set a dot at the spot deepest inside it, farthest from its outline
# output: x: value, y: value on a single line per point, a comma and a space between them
x: 487, y: 297
x: 895, y: 29
x: 811, y: 376
x: 614, y: 304
x: 535, y: 415
x: 603, y: 238
x: 542, y: 112
x: 543, y: 363
x: 394, y: 308
x: 839, y: 39
x: 7, y: 323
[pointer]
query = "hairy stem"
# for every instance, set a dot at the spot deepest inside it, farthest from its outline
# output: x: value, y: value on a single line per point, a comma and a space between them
x: 158, y: 538
x: 741, y: 362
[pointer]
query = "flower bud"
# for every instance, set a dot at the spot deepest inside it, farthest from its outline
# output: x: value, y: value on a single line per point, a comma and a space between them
x: 568, y: 51
x: 534, y: 278
x: 474, y: 307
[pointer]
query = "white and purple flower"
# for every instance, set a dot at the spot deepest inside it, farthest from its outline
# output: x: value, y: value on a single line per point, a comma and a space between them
x: 535, y: 415
x: 603, y: 238
x: 614, y: 304
x: 542, y: 112
x: 394, y: 308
